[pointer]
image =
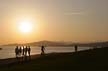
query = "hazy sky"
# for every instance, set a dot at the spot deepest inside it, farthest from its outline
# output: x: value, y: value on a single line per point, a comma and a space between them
x: 56, y: 20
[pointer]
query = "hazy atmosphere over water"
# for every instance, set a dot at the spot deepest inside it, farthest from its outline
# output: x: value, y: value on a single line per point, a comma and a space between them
x: 56, y: 20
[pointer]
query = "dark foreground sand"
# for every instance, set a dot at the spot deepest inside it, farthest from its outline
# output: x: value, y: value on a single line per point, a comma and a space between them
x: 89, y: 60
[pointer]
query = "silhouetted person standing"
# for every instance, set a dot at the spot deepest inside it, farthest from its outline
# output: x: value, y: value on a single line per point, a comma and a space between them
x: 42, y: 50
x: 23, y: 51
x: 16, y: 52
x: 29, y: 50
x: 26, y: 51
x: 76, y: 48
x: 20, y: 51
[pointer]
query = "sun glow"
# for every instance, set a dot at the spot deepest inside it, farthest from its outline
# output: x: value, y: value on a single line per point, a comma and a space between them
x: 25, y: 26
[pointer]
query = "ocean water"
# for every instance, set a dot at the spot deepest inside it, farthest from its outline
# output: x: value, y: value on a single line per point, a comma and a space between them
x: 9, y: 51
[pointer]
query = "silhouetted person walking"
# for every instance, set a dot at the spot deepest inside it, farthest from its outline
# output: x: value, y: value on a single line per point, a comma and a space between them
x: 42, y: 50
x: 76, y: 48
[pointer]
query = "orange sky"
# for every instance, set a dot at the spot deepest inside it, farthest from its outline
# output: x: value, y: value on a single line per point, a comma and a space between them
x: 56, y: 20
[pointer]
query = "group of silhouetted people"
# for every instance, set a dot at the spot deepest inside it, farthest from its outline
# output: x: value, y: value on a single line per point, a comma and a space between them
x: 22, y: 51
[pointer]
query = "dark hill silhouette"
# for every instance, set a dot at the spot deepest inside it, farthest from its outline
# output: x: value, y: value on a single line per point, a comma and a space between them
x: 57, y: 43
x: 96, y: 44
x: 40, y: 43
x: 48, y: 43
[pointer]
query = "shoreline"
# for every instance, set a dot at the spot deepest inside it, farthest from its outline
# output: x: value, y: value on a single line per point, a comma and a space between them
x: 93, y: 59
x: 12, y: 60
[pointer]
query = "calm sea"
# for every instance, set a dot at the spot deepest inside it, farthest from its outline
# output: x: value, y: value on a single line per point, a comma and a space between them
x: 9, y: 52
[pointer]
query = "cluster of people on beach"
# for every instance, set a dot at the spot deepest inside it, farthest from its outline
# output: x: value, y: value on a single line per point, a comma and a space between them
x: 22, y: 51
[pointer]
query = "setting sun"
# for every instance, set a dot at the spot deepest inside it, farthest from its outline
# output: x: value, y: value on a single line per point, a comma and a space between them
x: 25, y: 26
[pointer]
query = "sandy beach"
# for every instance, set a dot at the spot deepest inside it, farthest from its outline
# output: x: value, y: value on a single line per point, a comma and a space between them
x: 88, y: 60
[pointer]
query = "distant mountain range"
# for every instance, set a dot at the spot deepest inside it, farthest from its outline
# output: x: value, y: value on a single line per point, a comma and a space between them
x: 40, y: 43
x: 54, y: 43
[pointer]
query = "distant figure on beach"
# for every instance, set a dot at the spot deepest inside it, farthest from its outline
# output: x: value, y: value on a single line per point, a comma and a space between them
x: 25, y: 50
x: 29, y: 50
x: 76, y: 48
x: 16, y: 51
x: 20, y: 51
x: 42, y: 50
